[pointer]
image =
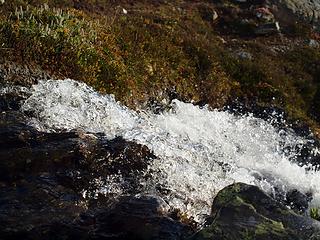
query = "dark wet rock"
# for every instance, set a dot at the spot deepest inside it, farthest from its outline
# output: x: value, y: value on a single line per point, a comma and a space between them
x: 79, y: 161
x: 242, y: 211
x: 130, y: 218
x: 25, y: 151
x: 245, y: 106
x: 118, y: 154
x: 50, y: 186
x: 34, y: 202
x: 124, y: 161
x: 139, y: 218
x: 307, y: 155
x: 158, y: 107
x: 298, y: 201
x: 164, y: 104
x: 43, y: 178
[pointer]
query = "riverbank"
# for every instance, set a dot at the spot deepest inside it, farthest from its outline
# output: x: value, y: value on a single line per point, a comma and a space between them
x: 148, y: 51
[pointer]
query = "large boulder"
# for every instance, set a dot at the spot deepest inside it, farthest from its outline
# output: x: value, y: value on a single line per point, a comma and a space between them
x: 24, y: 152
x: 52, y: 184
x: 242, y: 211
x: 308, y: 9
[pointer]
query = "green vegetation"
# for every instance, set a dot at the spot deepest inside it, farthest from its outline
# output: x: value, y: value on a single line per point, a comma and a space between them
x: 315, y: 214
x: 128, y: 55
x: 157, y: 47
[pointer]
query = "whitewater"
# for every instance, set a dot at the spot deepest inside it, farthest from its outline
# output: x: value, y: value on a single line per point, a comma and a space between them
x: 199, y: 151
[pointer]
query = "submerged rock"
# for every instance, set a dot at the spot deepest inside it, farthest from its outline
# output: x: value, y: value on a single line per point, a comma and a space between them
x: 242, y: 211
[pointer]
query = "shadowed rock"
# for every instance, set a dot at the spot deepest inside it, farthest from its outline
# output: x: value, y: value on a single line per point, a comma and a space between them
x: 139, y: 218
x: 43, y: 175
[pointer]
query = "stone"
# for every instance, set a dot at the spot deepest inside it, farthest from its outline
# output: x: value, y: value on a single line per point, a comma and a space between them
x: 242, y: 211
x: 264, y: 14
x: 268, y: 29
x: 208, y: 13
x: 214, y: 15
x: 43, y: 176
x: 309, y: 10
x: 314, y: 43
x: 139, y: 218
x: 244, y: 55
x: 297, y: 201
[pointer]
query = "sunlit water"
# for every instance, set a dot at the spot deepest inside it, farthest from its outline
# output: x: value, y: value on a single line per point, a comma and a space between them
x: 199, y: 151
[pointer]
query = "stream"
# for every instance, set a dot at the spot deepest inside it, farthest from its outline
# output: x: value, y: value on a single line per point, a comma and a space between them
x: 198, y: 151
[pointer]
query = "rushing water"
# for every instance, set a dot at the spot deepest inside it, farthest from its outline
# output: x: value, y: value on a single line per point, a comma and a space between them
x: 199, y: 151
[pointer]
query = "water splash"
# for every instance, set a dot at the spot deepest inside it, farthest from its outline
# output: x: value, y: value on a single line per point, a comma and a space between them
x: 199, y: 151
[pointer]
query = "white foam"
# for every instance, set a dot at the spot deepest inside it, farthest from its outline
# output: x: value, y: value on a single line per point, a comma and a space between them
x: 199, y: 151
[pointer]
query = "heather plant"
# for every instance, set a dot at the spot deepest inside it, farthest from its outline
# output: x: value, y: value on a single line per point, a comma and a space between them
x: 47, y: 35
x: 152, y: 49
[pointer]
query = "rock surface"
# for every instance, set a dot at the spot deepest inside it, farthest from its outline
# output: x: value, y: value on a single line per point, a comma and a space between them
x: 243, y: 211
x: 50, y: 187
x: 140, y: 218
x: 309, y: 9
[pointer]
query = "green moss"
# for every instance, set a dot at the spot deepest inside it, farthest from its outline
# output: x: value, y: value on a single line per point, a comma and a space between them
x: 228, y: 194
x: 247, y: 235
x: 314, y: 213
x: 270, y: 227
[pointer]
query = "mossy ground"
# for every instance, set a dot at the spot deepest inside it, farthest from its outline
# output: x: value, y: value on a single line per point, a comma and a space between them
x: 159, y: 46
